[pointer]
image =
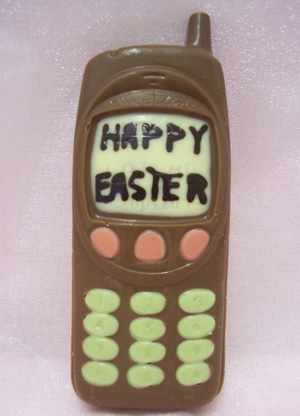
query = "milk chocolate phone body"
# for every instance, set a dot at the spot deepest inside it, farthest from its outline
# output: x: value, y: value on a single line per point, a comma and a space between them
x: 150, y: 226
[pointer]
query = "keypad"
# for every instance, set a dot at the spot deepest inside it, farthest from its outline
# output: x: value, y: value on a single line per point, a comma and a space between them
x: 146, y: 351
x: 147, y: 303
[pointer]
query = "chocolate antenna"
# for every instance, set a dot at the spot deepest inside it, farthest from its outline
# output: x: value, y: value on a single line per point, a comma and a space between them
x: 198, y: 33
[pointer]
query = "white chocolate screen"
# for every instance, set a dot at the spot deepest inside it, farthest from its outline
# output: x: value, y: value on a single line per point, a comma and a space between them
x: 152, y: 164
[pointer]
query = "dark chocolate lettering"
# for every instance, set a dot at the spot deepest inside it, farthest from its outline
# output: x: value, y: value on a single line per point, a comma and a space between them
x: 106, y: 135
x: 197, y: 137
x: 129, y: 136
x: 118, y: 186
x: 196, y: 184
x: 167, y: 184
x: 174, y: 133
x: 101, y: 185
x: 154, y: 189
x: 150, y: 132
x: 140, y: 193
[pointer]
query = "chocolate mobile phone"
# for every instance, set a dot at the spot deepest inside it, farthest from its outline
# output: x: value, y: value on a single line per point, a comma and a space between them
x: 150, y: 231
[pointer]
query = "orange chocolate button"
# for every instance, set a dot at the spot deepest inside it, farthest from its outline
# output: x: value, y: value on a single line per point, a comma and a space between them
x: 106, y: 242
x: 193, y: 243
x: 150, y: 247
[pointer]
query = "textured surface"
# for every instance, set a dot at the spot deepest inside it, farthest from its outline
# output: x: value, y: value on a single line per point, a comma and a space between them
x: 44, y: 48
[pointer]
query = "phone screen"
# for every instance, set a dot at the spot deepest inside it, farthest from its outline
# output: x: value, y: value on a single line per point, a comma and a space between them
x: 151, y: 165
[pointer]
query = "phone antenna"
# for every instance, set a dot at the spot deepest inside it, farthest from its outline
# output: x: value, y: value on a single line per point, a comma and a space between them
x: 198, y: 33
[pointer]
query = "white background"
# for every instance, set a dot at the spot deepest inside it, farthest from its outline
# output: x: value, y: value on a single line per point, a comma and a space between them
x: 44, y: 48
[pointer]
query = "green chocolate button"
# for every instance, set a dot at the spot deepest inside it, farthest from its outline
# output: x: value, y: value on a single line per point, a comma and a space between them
x: 147, y: 303
x: 99, y: 374
x: 141, y: 376
x: 102, y: 349
x: 147, y: 329
x: 196, y: 300
x: 102, y: 300
x: 193, y: 351
x: 147, y: 352
x: 100, y: 324
x: 196, y: 326
x: 192, y: 374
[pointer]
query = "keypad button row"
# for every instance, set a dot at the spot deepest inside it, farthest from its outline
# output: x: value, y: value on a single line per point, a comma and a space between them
x: 142, y: 352
x: 150, y: 246
x: 149, y: 303
x: 144, y: 375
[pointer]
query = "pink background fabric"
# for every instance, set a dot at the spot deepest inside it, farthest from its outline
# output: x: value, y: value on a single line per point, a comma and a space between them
x: 44, y: 48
